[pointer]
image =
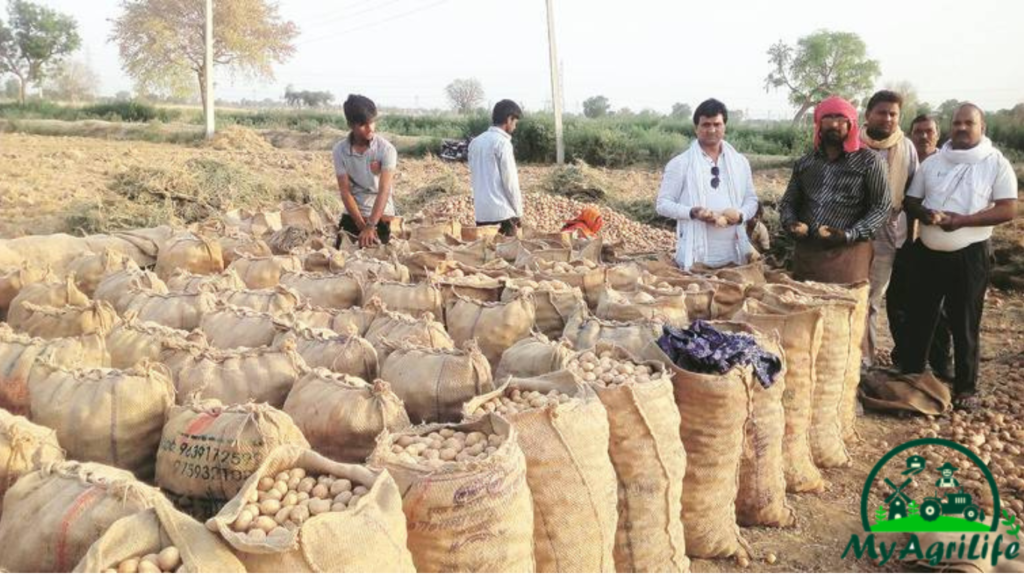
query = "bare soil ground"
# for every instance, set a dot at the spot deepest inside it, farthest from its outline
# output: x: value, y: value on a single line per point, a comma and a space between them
x: 46, y: 179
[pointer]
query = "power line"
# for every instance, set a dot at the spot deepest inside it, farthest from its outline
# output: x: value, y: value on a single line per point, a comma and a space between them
x: 344, y: 16
x: 377, y: 23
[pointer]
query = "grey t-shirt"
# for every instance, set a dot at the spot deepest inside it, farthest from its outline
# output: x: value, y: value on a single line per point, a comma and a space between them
x: 357, y: 167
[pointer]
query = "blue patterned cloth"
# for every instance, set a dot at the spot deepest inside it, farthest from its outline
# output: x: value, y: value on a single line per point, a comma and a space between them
x: 701, y: 348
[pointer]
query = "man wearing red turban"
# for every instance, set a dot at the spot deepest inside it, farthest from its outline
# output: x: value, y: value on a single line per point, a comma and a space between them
x: 837, y: 198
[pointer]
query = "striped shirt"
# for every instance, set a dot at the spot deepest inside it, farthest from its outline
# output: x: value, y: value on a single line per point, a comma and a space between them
x: 851, y: 193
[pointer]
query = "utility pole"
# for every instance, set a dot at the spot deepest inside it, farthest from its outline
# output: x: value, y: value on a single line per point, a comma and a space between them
x: 556, y: 87
x: 209, y: 69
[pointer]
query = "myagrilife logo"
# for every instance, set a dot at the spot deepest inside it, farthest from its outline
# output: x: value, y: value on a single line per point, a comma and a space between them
x: 931, y: 486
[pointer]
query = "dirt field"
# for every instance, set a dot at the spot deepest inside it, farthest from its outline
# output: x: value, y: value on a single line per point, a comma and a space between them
x: 44, y: 180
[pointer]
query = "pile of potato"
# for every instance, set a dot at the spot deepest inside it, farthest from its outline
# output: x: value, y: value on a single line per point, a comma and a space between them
x: 167, y: 560
x: 467, y: 279
x: 543, y: 285
x: 285, y: 501
x: 515, y: 401
x: 605, y: 370
x: 443, y: 446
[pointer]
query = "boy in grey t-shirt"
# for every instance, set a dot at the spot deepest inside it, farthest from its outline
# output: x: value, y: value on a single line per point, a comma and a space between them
x: 365, y: 166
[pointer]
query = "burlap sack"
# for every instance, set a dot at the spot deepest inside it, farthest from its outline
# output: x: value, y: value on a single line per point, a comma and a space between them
x: 208, y: 450
x: 191, y: 252
x: 423, y: 262
x: 185, y: 281
x: 262, y: 272
x: 174, y: 309
x: 141, y: 244
x: 905, y: 393
x: 553, y: 307
x: 89, y: 269
x: 311, y: 316
x: 496, y: 326
x: 152, y: 530
x: 466, y: 516
x: 435, y: 231
x: 698, y: 293
x: 624, y: 277
x: 359, y: 318
x: 800, y: 333
x: 264, y: 374
x: 397, y: 327
x: 376, y: 524
x: 66, y: 321
x: 263, y: 223
x: 119, y: 288
x: 53, y: 250
x: 131, y: 341
x: 342, y: 353
x: 412, y: 299
x: 341, y: 290
x: 473, y: 233
x: 752, y: 274
x: 24, y: 446
x: 13, y: 280
x: 341, y: 416
x: 435, y: 383
x: 104, y: 415
x: 302, y: 216
x: 373, y: 269
x: 56, y: 293
x: 241, y: 245
x: 645, y: 303
x: 536, y: 259
x: 569, y: 472
x: 18, y: 354
x: 650, y: 463
x: 230, y: 327
x: 533, y: 356
x: 636, y: 337
x: 591, y: 283
x: 830, y: 369
x: 761, y: 499
x: 71, y: 505
x: 476, y: 287
x: 323, y: 260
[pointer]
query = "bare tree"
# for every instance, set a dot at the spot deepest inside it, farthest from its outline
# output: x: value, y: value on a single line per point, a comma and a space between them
x: 74, y: 81
x: 465, y: 94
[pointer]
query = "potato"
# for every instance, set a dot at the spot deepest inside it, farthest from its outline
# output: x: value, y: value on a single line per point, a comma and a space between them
x: 270, y: 507
x: 279, y: 532
x: 320, y: 491
x: 824, y: 232
x: 721, y: 222
x: 732, y: 214
x: 129, y: 566
x: 256, y: 534
x: 265, y: 483
x: 265, y: 523
x: 168, y: 559
x: 243, y: 522
x: 299, y: 514
x: 319, y: 506
x: 147, y: 567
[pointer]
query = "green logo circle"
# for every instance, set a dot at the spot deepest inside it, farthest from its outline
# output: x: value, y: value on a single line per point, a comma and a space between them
x: 996, y: 509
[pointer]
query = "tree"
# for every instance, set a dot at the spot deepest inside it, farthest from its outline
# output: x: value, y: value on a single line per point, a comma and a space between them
x: 162, y: 42
x: 11, y: 88
x: 123, y: 95
x: 596, y: 106
x: 465, y: 94
x: 35, y: 39
x: 946, y: 111
x: 74, y: 80
x: 910, y: 107
x: 306, y: 98
x: 820, y: 65
x: 681, y: 110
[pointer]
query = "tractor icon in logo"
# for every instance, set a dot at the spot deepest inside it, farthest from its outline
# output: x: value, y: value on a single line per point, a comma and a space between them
x: 956, y: 504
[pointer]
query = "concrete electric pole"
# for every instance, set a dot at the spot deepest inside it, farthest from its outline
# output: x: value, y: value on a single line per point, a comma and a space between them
x: 556, y: 87
x: 209, y: 69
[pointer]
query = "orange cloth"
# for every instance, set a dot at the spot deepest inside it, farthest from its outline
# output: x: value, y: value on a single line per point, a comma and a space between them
x: 589, y: 222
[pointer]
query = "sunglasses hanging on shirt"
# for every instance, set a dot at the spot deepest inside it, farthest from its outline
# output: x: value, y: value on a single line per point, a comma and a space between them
x: 715, y: 180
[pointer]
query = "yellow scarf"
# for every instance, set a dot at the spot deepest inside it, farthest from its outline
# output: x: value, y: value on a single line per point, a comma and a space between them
x: 897, y: 160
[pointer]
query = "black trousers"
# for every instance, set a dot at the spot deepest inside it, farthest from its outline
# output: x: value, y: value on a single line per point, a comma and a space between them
x: 897, y: 301
x: 505, y: 227
x: 958, y: 281
x: 348, y: 224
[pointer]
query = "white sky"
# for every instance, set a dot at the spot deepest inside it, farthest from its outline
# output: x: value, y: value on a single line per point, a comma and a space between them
x: 638, y: 53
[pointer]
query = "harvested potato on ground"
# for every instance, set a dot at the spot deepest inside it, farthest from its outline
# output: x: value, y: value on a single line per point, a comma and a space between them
x: 286, y: 500
x: 167, y: 560
x: 605, y: 370
x: 515, y: 401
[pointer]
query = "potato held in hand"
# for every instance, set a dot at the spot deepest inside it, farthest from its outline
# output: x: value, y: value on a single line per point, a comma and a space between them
x: 732, y: 215
x: 824, y: 232
x: 936, y: 217
x: 800, y: 230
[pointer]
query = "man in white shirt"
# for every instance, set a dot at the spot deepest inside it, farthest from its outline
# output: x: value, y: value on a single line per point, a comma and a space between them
x: 492, y: 166
x: 709, y: 191
x: 958, y: 195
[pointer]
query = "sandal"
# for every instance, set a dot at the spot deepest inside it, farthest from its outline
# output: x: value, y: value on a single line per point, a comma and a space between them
x: 967, y: 402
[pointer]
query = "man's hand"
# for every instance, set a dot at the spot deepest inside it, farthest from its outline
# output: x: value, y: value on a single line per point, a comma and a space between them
x: 832, y: 236
x: 951, y: 221
x: 799, y: 230
x: 702, y: 214
x: 368, y: 237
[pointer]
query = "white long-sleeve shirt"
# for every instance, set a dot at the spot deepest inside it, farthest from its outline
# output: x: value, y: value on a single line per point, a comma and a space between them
x: 495, y: 180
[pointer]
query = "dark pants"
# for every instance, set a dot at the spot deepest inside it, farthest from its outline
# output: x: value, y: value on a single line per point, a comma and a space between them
x: 956, y: 281
x: 505, y: 227
x: 348, y: 224
x: 897, y: 301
